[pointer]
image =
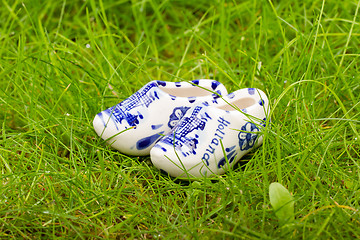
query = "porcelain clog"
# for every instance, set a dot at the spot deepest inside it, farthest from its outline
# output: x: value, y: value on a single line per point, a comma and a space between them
x: 134, y: 125
x: 210, y: 139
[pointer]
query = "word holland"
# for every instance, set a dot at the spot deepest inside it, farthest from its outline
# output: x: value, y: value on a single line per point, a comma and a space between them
x: 219, y: 134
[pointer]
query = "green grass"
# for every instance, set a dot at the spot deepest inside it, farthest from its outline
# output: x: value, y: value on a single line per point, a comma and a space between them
x: 61, y: 62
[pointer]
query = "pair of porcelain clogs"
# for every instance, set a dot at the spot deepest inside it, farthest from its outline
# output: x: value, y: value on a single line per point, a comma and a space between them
x: 190, y: 129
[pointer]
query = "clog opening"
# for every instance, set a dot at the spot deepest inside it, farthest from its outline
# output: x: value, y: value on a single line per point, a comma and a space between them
x: 240, y: 103
x: 187, y: 91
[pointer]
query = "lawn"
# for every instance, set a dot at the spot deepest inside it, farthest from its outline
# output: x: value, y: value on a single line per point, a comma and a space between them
x: 62, y: 62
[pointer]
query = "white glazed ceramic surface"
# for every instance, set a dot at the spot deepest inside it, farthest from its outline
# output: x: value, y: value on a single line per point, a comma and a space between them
x: 210, y: 139
x: 134, y: 125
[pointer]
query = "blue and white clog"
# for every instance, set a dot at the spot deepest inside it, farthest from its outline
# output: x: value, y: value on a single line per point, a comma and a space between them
x: 134, y: 125
x: 211, y: 138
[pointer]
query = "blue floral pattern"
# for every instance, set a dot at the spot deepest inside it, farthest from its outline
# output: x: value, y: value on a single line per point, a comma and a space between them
x: 247, y: 136
x: 176, y: 115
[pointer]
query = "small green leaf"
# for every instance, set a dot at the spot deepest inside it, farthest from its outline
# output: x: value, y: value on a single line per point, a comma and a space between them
x: 282, y: 202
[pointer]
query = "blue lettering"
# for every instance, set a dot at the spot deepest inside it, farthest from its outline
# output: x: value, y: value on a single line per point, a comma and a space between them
x: 213, y: 149
x: 223, y: 121
x: 221, y: 137
x: 206, y: 158
x: 218, y: 130
x: 215, y: 141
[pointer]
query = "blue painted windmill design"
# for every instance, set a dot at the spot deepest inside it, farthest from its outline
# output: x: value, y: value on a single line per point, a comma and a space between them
x: 177, y: 115
x: 142, y: 98
x: 180, y: 138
